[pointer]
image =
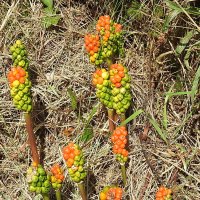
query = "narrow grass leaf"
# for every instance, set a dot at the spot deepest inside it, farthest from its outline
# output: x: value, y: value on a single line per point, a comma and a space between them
x: 170, y: 94
x: 158, y: 129
x: 195, y: 84
x: 169, y: 18
x: 132, y: 117
x: 184, y: 41
x: 165, y: 109
x: 73, y: 99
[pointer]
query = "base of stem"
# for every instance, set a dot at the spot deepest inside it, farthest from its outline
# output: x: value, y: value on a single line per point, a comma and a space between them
x: 81, y: 187
x: 58, y: 195
x: 123, y: 170
x: 46, y: 196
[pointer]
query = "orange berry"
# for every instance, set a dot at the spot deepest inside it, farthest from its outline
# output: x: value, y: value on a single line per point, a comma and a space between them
x: 118, y: 85
x: 100, y: 80
x: 22, y: 80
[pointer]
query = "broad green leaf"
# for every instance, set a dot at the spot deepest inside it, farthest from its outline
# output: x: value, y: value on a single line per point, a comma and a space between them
x: 184, y: 41
x: 132, y: 117
x: 73, y: 99
x: 48, y: 3
x: 172, y: 5
x: 158, y: 129
x: 195, y: 84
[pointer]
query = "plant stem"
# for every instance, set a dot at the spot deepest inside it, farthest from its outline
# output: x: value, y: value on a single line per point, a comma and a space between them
x: 111, y: 120
x: 122, y: 117
x: 46, y: 196
x: 123, y: 170
x: 81, y: 187
x: 31, y: 138
x: 58, y: 195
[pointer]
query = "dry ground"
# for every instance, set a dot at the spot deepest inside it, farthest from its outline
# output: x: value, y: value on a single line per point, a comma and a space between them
x: 58, y: 62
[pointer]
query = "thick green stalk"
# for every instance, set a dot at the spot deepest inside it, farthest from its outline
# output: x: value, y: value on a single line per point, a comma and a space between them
x: 81, y: 187
x: 46, y: 196
x: 58, y: 195
x: 31, y: 138
x: 123, y: 170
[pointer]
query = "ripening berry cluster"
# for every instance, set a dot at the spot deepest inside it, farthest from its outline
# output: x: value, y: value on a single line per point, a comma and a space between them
x: 38, y: 180
x: 164, y: 193
x: 119, y: 141
x: 107, y: 42
x: 102, y: 83
x: 75, y: 161
x: 121, y: 88
x: 111, y: 193
x: 19, y: 55
x: 57, y: 177
x: 113, y: 88
x: 20, y: 88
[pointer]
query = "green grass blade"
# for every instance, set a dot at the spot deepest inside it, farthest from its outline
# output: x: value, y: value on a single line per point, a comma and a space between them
x: 169, y: 18
x: 170, y: 94
x: 165, y: 109
x: 195, y: 84
x: 73, y: 99
x: 158, y: 129
x: 184, y: 41
x: 133, y: 116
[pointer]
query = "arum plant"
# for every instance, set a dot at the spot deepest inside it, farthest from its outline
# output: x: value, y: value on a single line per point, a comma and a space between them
x: 73, y: 156
x: 20, y: 89
x: 39, y: 181
x: 119, y: 141
x: 102, y: 47
x: 111, y: 192
x: 57, y: 179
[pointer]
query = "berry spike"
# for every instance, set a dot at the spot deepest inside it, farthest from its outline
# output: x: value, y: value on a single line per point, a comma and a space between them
x: 19, y: 55
x: 38, y: 180
x: 75, y: 161
x: 119, y: 140
x: 111, y: 192
x: 164, y: 193
x: 57, y: 178
x: 20, y: 86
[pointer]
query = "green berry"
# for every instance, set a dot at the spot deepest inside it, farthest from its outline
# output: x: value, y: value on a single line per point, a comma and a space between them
x: 35, y: 178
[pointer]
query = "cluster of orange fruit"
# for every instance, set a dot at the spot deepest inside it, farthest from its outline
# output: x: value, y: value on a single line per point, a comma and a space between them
x: 69, y: 153
x: 16, y: 73
x: 164, y: 193
x: 92, y: 44
x: 97, y: 77
x: 57, y: 172
x: 116, y: 74
x: 119, y: 140
x: 108, y: 193
x: 103, y: 23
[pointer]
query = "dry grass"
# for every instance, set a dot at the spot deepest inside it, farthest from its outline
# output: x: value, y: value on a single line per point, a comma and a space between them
x: 58, y: 62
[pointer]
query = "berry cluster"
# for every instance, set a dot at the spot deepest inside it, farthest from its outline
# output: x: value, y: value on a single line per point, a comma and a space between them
x: 119, y: 141
x: 121, y: 88
x: 164, y: 194
x: 102, y: 83
x: 109, y: 41
x: 19, y: 55
x: 111, y: 193
x: 92, y: 44
x: 75, y: 161
x: 20, y: 88
x: 38, y: 180
x: 57, y: 177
